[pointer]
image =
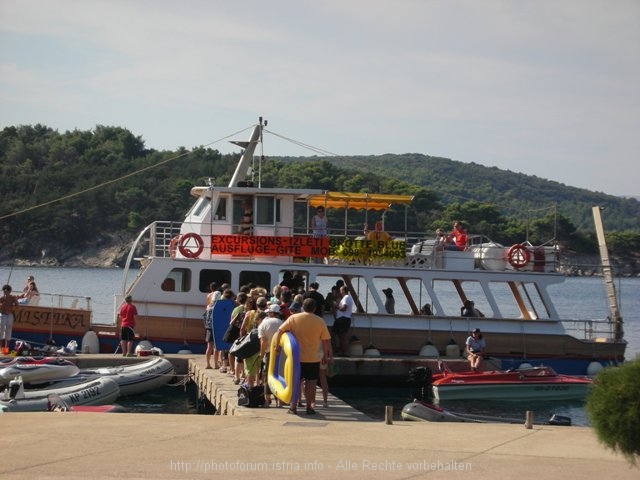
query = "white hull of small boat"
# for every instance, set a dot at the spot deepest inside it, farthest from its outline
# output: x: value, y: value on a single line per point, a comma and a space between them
x: 37, y: 370
x: 99, y: 391
x: 423, y: 412
x: 132, y: 379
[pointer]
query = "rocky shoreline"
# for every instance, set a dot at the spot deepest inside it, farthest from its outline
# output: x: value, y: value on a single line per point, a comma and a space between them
x: 115, y: 256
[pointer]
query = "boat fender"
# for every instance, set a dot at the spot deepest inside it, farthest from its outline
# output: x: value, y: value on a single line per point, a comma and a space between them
x: 518, y: 256
x: 185, y: 241
x: 594, y: 368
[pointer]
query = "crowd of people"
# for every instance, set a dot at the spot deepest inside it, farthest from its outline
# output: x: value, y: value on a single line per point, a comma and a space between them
x: 286, y: 308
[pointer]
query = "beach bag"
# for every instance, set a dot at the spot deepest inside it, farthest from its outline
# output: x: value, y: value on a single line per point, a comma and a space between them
x: 251, y: 397
x: 246, y: 345
x: 233, y: 330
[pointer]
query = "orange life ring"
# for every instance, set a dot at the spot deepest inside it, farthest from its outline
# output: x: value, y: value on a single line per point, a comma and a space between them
x: 173, y: 244
x: 185, y: 241
x: 518, y: 256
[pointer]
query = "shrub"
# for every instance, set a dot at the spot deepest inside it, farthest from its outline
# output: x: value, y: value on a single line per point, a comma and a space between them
x: 613, y: 407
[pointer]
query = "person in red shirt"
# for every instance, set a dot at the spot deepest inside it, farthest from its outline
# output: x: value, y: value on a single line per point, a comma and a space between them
x: 458, y: 237
x: 127, y: 314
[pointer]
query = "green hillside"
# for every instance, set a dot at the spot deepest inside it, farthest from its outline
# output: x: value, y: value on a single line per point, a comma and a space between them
x: 74, y: 190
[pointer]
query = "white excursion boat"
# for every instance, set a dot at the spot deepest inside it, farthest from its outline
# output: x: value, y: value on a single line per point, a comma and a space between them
x: 98, y: 391
x: 512, y: 285
x: 36, y: 370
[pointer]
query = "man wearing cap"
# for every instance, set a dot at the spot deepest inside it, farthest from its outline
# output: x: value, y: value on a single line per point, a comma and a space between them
x: 475, y: 345
x: 266, y: 330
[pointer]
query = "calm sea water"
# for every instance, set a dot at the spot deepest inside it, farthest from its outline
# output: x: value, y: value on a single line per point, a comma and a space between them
x: 581, y: 297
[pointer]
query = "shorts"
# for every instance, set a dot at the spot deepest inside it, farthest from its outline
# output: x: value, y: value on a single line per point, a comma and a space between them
x: 127, y: 334
x: 6, y: 326
x: 341, y: 325
x: 252, y: 364
x: 310, y: 371
x: 208, y: 335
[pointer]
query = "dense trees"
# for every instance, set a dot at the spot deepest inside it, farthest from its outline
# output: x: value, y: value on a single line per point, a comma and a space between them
x: 63, y: 191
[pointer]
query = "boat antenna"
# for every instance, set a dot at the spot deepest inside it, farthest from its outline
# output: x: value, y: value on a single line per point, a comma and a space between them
x: 262, y: 125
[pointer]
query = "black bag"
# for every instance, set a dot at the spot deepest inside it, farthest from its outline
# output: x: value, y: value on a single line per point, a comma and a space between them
x: 251, y: 397
x: 231, y: 334
x: 246, y: 345
x: 233, y: 330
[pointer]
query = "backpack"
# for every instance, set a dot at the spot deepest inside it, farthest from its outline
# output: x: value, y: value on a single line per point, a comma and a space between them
x: 250, y: 397
x: 246, y: 346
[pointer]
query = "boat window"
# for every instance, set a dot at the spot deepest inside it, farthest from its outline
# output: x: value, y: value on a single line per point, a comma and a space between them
x: 243, y: 215
x: 295, y: 280
x: 179, y: 279
x: 221, y: 211
x: 262, y: 279
x: 450, y: 299
x: 208, y: 276
x: 265, y: 210
x: 201, y: 206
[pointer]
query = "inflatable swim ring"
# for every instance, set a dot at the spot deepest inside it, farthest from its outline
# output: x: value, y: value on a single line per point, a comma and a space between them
x: 284, y: 369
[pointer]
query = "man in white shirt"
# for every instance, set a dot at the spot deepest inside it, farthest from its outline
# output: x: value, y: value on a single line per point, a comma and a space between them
x: 342, y: 324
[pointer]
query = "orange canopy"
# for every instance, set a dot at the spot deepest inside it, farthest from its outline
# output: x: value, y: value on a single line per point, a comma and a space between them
x: 358, y: 201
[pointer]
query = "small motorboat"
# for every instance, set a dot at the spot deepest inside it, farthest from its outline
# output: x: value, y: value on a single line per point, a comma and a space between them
x: 425, y: 412
x: 36, y: 369
x: 132, y: 379
x: 534, y: 383
x: 97, y: 391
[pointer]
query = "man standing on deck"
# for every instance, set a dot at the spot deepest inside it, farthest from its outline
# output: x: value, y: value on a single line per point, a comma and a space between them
x: 127, y: 316
x: 317, y: 296
x: 342, y: 324
x: 7, y: 303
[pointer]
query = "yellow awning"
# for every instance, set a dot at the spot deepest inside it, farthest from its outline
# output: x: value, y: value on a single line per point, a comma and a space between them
x: 358, y: 201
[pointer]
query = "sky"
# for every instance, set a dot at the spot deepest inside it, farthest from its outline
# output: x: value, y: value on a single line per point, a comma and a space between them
x: 543, y: 87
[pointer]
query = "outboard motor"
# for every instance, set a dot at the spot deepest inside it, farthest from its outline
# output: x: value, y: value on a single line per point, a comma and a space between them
x: 420, y: 380
x: 16, y: 389
x: 560, y: 420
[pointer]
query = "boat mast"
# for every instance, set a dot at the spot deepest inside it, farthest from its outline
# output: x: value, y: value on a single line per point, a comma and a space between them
x: 247, y: 156
x: 609, y: 286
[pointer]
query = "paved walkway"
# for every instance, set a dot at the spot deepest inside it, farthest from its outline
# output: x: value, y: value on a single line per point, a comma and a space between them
x: 150, y: 446
x: 336, y: 443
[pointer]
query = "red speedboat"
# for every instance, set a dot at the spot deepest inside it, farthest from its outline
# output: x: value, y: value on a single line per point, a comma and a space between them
x: 535, y: 383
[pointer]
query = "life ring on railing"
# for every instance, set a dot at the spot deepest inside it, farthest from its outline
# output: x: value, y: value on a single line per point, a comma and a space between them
x: 173, y: 245
x: 183, y: 245
x: 283, y: 371
x: 518, y: 256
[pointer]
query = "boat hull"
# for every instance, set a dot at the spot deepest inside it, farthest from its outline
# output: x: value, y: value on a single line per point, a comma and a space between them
x: 38, y: 370
x: 100, y: 391
x: 537, y: 383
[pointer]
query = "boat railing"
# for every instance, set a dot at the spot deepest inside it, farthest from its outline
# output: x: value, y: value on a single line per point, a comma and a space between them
x: 350, y: 246
x: 58, y: 300
x: 599, y: 331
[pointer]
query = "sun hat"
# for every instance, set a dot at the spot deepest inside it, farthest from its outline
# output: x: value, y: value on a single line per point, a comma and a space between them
x: 275, y: 308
